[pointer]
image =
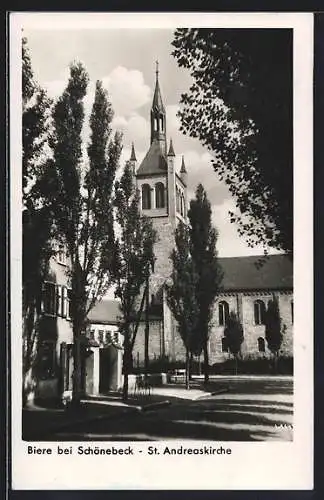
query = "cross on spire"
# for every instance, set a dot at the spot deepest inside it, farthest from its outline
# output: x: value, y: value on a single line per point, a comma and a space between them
x: 157, y: 69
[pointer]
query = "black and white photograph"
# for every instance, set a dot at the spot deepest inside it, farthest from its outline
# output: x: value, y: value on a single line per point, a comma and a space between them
x: 162, y: 303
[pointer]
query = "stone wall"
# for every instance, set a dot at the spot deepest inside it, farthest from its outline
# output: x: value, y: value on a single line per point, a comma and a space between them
x: 243, y: 305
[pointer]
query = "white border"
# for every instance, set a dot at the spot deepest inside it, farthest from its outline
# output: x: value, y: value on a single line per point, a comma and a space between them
x: 251, y: 465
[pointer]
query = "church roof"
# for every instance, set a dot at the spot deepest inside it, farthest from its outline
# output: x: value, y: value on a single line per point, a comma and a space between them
x: 154, y: 161
x: 157, y: 104
x: 249, y: 273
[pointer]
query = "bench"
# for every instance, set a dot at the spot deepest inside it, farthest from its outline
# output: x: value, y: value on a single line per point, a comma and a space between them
x: 178, y: 375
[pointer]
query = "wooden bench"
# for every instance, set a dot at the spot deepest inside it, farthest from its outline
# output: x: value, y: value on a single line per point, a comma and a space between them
x: 178, y: 375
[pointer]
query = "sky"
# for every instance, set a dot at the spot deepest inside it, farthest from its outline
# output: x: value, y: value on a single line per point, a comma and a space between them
x: 125, y: 61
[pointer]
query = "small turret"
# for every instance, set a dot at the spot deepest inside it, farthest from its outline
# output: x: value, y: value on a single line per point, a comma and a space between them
x: 183, y: 172
x: 171, y: 150
x: 133, y: 160
x: 133, y: 155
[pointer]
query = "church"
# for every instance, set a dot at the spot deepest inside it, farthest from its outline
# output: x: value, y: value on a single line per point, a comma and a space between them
x: 246, y: 287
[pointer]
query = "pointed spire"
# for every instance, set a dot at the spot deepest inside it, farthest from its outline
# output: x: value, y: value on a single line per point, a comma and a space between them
x: 133, y: 155
x: 171, y: 150
x: 183, y: 167
x: 157, y: 103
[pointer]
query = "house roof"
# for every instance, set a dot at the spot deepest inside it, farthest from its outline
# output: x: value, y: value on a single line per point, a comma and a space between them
x: 256, y: 273
x: 154, y: 162
x: 105, y: 312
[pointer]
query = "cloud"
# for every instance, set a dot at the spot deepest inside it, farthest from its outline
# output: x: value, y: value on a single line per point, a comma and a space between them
x: 229, y: 243
x: 135, y: 129
x: 127, y: 90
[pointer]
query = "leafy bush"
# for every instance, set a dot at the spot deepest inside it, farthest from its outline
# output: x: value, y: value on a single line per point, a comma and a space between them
x: 254, y: 366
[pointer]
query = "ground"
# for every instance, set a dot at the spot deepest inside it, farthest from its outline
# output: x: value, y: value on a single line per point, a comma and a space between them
x: 233, y: 409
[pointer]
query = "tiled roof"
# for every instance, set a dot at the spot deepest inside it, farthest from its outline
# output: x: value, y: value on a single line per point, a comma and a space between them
x: 157, y: 104
x: 154, y: 161
x: 105, y: 312
x: 240, y: 274
x: 243, y: 273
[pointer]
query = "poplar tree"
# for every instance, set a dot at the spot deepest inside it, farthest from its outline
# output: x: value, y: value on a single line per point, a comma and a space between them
x: 37, y: 220
x: 233, y: 334
x: 181, y: 293
x: 82, y: 189
x: 273, y: 328
x: 134, y: 261
x: 203, y: 239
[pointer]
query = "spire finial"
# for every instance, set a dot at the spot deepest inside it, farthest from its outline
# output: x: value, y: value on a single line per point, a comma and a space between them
x: 157, y: 69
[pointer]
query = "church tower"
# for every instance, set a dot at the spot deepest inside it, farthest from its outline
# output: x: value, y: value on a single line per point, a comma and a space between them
x: 163, y: 199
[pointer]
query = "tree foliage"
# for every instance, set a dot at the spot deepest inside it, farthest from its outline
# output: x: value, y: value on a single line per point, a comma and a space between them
x: 133, y: 261
x: 233, y: 333
x: 273, y: 327
x: 181, y: 292
x: 203, y: 239
x: 37, y: 221
x: 82, y: 188
x: 240, y: 107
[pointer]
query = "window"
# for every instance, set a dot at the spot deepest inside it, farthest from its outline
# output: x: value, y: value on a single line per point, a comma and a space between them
x: 56, y: 300
x: 108, y: 337
x: 259, y: 312
x: 116, y: 337
x: 223, y: 313
x: 100, y: 336
x: 161, y: 123
x: 61, y: 254
x: 92, y: 334
x: 292, y: 311
x: 155, y: 124
x: 49, y: 298
x: 159, y: 195
x: 146, y: 197
x: 68, y: 303
x: 224, y: 344
x: 261, y: 344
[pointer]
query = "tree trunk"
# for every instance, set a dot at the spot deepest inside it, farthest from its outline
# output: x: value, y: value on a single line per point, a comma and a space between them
x: 77, y: 368
x: 147, y: 330
x: 206, y: 363
x: 126, y: 363
x: 187, y: 369
x: 190, y: 366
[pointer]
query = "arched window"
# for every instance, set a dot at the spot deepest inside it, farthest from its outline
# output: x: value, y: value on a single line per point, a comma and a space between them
x: 159, y: 195
x: 181, y: 205
x: 292, y: 310
x: 146, y: 197
x: 223, y: 313
x: 224, y: 344
x: 155, y: 124
x: 161, y: 123
x: 261, y: 344
x: 259, y: 312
